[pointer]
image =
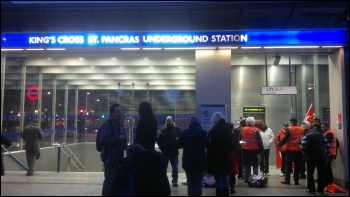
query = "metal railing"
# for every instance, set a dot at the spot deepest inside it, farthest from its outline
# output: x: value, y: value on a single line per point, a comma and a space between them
x: 71, y: 157
x: 15, y: 159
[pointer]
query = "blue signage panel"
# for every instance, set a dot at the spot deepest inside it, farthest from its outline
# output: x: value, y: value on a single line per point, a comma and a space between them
x: 175, y: 39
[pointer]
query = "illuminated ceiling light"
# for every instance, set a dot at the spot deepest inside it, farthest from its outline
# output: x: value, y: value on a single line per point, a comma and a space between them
x: 191, y: 48
x: 34, y: 49
x: 277, y: 47
x: 113, y: 58
x: 11, y: 49
x: 310, y: 86
x: 250, y: 47
x: 331, y: 46
x: 55, y: 49
x: 227, y: 47
x: 130, y: 48
x: 81, y: 59
x: 151, y: 48
x: 300, y: 47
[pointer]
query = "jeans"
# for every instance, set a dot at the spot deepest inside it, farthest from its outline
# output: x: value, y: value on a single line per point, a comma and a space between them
x: 194, y: 183
x: 174, y: 161
x: 221, y: 181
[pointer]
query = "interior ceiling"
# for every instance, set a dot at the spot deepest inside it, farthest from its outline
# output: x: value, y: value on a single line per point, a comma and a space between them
x: 96, y: 16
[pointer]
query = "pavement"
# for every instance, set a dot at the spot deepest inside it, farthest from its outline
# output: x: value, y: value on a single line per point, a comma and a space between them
x: 16, y: 183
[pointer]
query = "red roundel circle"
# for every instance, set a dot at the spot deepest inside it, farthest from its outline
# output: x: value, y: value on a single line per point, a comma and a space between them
x: 33, y: 93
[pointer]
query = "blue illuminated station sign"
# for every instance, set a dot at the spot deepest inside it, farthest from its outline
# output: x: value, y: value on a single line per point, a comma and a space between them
x: 175, y: 39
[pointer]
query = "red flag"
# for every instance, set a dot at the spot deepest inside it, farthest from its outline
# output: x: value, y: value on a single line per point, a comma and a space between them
x: 309, y: 115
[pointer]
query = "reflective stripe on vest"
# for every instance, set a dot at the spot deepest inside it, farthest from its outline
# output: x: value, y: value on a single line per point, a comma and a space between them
x: 333, y: 143
x: 293, y: 142
x: 249, y: 137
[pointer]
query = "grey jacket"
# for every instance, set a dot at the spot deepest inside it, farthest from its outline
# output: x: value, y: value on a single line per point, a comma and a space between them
x: 31, y: 135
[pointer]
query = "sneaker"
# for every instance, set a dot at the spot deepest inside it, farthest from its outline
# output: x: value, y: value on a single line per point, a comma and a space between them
x: 267, y: 174
x: 184, y: 182
x: 281, y: 175
x: 175, y: 184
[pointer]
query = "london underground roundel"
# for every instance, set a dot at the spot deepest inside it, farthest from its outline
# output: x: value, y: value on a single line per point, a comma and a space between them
x: 33, y: 93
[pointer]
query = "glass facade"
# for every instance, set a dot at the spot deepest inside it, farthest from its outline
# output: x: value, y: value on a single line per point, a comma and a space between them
x: 67, y: 107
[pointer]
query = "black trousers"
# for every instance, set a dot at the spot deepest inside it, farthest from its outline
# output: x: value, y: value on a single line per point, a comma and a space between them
x: 328, y: 171
x: 292, y: 157
x: 311, y: 165
x: 264, y: 162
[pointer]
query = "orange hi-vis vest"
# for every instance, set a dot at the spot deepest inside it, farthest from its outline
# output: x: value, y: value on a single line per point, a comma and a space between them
x: 333, y: 143
x: 249, y: 137
x: 293, y: 143
x: 281, y: 134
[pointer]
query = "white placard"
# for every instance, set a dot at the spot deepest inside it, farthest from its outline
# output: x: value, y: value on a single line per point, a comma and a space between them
x: 276, y: 90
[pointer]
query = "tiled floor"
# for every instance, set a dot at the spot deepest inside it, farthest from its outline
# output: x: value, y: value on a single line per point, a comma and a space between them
x: 16, y: 183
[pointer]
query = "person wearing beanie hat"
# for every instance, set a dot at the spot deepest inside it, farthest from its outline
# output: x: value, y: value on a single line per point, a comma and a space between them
x: 194, y: 141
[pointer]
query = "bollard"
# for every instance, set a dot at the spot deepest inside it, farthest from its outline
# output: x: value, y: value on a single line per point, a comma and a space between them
x: 69, y: 160
x: 58, y: 146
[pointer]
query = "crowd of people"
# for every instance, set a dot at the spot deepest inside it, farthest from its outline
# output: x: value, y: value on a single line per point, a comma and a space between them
x: 226, y: 151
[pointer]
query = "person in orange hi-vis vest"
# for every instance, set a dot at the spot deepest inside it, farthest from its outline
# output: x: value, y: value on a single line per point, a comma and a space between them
x: 252, y: 147
x: 293, y: 152
x: 330, y: 136
x: 281, y: 151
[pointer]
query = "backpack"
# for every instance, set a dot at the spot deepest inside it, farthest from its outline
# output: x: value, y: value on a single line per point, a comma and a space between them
x: 99, y: 144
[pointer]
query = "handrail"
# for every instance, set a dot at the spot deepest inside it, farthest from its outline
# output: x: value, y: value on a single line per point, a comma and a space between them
x: 15, y: 159
x: 74, y: 157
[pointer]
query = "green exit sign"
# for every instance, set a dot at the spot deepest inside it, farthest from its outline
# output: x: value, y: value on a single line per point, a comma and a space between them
x: 253, y: 109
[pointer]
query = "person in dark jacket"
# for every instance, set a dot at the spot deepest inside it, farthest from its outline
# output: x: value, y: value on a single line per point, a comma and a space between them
x: 194, y: 140
x: 220, y: 145
x: 114, y: 143
x: 146, y: 131
x: 167, y: 142
x: 31, y: 135
x: 242, y: 123
x: 7, y: 143
x: 141, y: 173
x: 316, y: 150
x: 235, y: 158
